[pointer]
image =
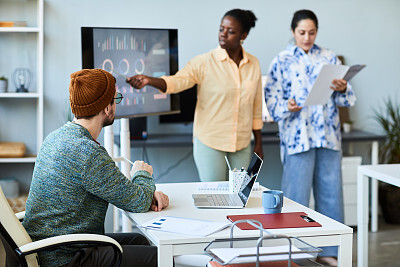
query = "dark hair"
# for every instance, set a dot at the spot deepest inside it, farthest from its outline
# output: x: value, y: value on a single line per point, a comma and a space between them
x: 303, y: 14
x: 245, y: 17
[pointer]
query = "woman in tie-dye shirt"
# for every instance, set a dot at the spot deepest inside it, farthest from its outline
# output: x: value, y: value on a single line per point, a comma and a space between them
x: 310, y: 135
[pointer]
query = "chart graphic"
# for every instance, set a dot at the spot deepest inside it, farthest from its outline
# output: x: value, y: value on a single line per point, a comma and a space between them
x: 122, y: 42
x: 129, y: 52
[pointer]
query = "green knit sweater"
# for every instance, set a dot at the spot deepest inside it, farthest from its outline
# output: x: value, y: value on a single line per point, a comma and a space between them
x: 73, y: 181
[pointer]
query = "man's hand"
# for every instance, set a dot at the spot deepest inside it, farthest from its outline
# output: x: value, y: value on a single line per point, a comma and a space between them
x: 160, y: 201
x: 141, y: 166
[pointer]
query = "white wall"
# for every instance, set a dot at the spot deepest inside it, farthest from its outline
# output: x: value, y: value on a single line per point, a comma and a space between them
x: 362, y: 31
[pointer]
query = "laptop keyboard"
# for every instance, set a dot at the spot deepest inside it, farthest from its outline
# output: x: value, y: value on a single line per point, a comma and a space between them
x: 221, y: 200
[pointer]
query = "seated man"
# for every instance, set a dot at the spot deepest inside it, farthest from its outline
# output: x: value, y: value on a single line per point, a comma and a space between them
x: 74, y: 180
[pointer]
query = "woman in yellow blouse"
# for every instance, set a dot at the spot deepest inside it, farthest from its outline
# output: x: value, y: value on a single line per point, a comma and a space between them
x: 229, y: 98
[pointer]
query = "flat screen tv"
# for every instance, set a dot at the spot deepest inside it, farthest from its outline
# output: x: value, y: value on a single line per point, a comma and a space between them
x: 125, y: 52
x: 187, y: 100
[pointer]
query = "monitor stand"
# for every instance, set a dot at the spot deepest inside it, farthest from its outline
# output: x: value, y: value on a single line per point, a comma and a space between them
x: 125, y: 149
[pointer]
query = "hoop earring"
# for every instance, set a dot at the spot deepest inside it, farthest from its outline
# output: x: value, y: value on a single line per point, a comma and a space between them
x: 241, y: 42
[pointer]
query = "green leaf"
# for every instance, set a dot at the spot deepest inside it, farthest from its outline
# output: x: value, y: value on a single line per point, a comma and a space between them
x: 389, y: 120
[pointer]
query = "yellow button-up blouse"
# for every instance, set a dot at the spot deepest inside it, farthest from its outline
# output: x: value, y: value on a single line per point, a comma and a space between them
x: 229, y: 98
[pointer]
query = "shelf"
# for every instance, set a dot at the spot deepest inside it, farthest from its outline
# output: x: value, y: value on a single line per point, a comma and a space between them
x: 30, y: 159
x: 19, y: 29
x: 27, y: 36
x: 19, y: 95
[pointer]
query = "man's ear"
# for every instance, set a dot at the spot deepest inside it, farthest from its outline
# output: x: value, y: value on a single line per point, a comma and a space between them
x: 107, y: 110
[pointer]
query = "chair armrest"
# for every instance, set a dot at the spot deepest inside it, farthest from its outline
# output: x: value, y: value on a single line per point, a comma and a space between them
x: 20, y: 215
x: 63, y: 240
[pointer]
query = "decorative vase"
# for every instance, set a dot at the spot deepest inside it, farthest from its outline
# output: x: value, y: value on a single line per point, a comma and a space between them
x: 3, y: 86
x: 346, y: 127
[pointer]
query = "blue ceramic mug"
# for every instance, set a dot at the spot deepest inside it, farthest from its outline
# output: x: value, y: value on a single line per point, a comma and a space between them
x: 272, y: 201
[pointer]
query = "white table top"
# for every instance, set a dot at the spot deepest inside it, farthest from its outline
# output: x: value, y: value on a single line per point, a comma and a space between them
x: 389, y: 173
x: 181, y: 205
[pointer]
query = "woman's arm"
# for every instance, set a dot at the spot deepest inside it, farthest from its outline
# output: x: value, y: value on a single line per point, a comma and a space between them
x: 140, y: 81
x: 277, y: 105
x: 185, y: 78
x: 344, y: 94
x: 258, y: 143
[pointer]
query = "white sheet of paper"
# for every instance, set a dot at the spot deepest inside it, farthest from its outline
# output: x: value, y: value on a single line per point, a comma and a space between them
x: 321, y: 91
x: 228, y: 254
x: 184, y: 225
x: 353, y: 70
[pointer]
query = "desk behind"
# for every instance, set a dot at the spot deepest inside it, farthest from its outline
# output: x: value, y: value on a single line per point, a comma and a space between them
x: 272, y: 138
x: 161, y: 156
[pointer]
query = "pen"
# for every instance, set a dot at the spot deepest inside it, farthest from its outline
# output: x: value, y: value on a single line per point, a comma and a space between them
x: 116, y: 72
x: 128, y: 160
x: 227, y: 162
x: 155, y: 227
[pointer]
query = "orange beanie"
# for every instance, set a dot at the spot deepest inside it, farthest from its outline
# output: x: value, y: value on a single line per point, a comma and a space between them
x: 90, y: 91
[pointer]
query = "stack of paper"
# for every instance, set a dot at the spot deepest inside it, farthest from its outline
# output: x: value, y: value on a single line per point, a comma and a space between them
x: 184, y: 226
x: 242, y: 255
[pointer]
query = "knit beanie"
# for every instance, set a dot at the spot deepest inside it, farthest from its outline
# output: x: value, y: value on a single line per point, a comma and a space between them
x: 90, y: 91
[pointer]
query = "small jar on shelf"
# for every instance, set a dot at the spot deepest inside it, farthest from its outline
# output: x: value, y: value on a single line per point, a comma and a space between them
x: 3, y: 84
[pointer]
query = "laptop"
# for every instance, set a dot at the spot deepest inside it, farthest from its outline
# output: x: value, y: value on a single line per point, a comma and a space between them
x: 231, y: 201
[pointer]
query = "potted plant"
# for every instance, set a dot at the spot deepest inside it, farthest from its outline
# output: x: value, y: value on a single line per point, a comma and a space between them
x: 3, y: 84
x: 389, y: 153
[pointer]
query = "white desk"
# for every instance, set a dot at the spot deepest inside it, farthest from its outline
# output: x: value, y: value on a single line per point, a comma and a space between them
x: 331, y: 233
x: 388, y: 173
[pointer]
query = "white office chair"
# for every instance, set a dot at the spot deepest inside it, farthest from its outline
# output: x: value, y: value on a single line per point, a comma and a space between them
x: 15, y: 235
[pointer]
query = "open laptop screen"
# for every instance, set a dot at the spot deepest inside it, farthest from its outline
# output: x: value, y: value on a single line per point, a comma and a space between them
x: 253, y: 170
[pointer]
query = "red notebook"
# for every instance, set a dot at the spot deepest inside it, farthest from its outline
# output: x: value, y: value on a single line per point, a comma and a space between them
x: 276, y: 220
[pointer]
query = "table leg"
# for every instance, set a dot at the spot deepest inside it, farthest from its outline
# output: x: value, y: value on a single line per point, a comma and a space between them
x: 345, y: 250
x: 362, y: 219
x: 164, y: 256
x: 374, y: 189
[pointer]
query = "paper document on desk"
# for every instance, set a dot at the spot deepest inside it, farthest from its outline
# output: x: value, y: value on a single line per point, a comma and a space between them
x: 242, y: 255
x: 321, y: 91
x: 184, y: 225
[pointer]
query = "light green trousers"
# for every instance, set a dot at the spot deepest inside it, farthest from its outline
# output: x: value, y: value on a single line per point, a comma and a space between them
x: 211, y: 164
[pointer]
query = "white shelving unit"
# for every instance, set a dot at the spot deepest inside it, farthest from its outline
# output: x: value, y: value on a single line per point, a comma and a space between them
x: 22, y: 47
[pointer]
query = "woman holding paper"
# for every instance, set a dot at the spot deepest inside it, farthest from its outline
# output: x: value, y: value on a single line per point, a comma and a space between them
x: 310, y: 135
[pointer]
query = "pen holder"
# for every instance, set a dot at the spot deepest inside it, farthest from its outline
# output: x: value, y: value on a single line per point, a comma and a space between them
x: 236, y: 179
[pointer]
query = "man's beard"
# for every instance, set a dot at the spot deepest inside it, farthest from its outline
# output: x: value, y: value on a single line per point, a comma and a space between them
x: 108, y: 121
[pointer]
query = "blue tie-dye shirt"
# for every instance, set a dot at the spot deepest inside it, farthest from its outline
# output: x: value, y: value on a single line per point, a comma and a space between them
x: 291, y: 76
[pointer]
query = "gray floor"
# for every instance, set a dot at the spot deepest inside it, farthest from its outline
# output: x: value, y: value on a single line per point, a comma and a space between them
x: 384, y: 246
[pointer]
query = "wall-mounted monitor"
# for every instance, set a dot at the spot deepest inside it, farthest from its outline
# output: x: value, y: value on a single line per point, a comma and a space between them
x: 188, y: 100
x: 125, y: 52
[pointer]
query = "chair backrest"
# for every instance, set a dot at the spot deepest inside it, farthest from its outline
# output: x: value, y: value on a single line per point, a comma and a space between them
x: 12, y: 230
